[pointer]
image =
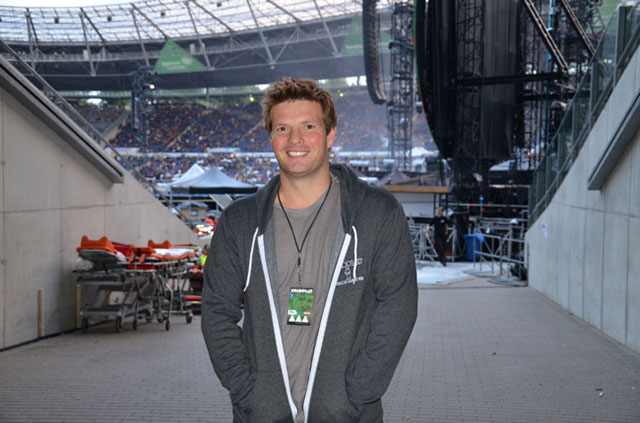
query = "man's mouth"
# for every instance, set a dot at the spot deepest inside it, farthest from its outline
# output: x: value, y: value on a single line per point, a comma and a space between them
x: 297, y: 153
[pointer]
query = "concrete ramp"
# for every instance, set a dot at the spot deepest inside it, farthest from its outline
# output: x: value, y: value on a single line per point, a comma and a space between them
x: 56, y: 185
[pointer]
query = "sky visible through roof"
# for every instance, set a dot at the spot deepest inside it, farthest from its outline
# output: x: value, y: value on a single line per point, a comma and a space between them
x: 60, y: 3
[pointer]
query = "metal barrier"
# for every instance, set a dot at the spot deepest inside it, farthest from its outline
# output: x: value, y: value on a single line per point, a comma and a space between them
x: 505, y: 257
x: 423, y: 245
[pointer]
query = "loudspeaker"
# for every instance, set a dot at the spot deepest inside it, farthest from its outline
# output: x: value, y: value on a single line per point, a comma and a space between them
x: 371, y: 55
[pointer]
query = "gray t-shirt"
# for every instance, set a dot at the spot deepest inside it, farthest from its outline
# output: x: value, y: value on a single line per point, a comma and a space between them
x: 299, y: 341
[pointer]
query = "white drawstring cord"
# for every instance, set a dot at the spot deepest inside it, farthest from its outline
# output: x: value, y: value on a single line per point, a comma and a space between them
x: 355, y: 253
x: 253, y: 243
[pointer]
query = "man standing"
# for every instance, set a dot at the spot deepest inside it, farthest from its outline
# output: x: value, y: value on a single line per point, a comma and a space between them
x: 440, y: 228
x: 325, y: 266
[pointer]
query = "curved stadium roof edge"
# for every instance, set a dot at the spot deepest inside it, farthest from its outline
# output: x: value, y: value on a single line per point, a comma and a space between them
x: 161, y: 19
x: 233, y: 42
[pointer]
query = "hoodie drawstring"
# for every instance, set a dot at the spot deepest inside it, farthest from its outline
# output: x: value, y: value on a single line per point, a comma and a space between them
x: 253, y: 244
x: 355, y: 256
x: 355, y: 253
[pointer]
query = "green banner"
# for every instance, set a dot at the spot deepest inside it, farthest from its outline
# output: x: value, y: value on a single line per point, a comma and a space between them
x: 174, y: 58
x: 353, y: 43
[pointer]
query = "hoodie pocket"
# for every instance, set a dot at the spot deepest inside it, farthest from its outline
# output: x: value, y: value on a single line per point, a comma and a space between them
x: 267, y: 401
x: 329, y: 400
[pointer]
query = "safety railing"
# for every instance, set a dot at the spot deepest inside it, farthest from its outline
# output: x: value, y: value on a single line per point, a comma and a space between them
x: 422, y: 239
x: 502, y: 256
x: 422, y: 244
x: 619, y: 42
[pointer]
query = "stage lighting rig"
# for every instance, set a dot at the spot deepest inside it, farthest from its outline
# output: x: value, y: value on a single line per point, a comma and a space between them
x: 401, y: 100
x: 142, y: 86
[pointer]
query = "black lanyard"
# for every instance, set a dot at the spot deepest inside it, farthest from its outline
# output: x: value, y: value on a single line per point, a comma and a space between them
x: 299, y: 248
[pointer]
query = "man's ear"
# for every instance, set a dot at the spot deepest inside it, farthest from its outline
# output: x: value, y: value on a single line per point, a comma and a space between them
x: 331, y: 137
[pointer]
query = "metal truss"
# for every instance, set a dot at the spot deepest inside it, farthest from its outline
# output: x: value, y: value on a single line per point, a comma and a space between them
x: 300, y: 42
x: 140, y: 97
x: 401, y: 105
x: 163, y: 19
x: 543, y: 101
x: 545, y: 36
x: 553, y: 50
x: 577, y: 26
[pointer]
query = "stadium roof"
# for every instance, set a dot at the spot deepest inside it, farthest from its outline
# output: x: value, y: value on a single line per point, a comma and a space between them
x: 228, y: 42
x: 161, y: 19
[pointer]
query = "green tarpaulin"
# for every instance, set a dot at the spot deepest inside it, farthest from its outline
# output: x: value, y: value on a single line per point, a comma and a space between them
x: 174, y: 58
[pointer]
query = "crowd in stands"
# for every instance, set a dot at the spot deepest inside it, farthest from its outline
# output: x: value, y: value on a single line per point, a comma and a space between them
x: 220, y: 127
x: 361, y: 124
x: 252, y: 170
x: 100, y: 117
x: 165, y: 122
x: 196, y: 128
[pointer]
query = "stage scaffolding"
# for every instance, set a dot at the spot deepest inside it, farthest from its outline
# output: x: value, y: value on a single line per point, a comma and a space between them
x: 401, y: 105
x: 546, y: 87
x: 555, y: 43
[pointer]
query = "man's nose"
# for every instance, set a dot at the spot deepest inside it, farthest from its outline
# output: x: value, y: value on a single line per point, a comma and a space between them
x: 296, y: 136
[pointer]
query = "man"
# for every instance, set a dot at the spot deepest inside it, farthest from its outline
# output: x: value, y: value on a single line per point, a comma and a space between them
x: 325, y: 266
x: 440, y: 228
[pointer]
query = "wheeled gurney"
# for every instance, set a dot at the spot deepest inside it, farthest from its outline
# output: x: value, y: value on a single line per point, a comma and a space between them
x: 111, y: 290
x: 169, y: 265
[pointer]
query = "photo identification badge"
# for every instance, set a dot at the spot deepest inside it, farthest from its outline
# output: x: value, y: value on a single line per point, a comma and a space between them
x: 300, y: 306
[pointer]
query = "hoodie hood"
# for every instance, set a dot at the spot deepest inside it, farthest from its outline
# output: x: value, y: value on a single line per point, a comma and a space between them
x: 352, y: 191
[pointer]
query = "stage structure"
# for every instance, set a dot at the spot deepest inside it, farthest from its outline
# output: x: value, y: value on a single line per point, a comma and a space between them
x: 495, y: 78
x: 401, y: 99
x: 402, y: 103
x: 140, y: 101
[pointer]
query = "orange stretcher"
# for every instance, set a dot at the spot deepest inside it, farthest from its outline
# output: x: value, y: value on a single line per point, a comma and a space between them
x: 151, y: 278
x: 170, y: 265
x: 109, y: 289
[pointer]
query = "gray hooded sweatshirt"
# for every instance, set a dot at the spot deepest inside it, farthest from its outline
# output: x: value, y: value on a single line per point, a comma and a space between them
x: 370, y: 309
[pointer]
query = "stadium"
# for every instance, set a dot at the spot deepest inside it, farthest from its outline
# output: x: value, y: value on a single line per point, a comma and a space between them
x: 129, y: 128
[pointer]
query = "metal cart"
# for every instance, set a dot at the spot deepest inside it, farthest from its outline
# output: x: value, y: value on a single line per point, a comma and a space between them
x: 134, y: 291
x: 171, y: 291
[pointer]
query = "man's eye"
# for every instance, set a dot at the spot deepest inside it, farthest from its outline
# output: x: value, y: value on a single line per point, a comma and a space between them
x: 309, y: 126
x: 281, y: 129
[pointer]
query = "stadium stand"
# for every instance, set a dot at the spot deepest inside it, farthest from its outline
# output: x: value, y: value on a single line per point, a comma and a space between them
x: 101, y: 117
x: 236, y: 124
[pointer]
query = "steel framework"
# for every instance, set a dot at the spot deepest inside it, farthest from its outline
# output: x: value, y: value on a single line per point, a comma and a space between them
x: 160, y: 19
x: 555, y: 43
x: 140, y: 97
x: 239, y: 42
x: 400, y: 107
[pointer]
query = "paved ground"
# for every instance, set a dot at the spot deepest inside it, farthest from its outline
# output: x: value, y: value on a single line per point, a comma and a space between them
x: 479, y: 352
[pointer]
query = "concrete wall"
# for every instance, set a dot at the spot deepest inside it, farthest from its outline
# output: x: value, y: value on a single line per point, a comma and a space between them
x: 49, y: 197
x: 584, y: 250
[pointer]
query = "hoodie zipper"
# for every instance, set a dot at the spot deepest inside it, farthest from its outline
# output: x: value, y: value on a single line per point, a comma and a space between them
x: 276, y: 328
x: 323, y: 325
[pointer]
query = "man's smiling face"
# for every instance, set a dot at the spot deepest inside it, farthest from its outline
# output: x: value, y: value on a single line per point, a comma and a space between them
x: 299, y: 139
